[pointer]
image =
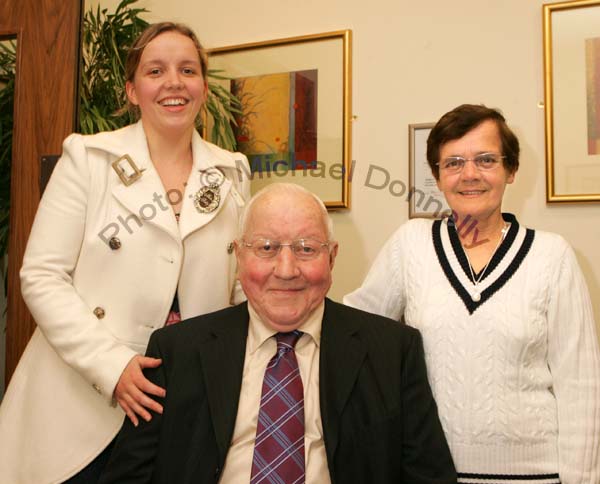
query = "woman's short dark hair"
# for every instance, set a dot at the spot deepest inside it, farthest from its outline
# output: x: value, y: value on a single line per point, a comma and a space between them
x: 458, y: 122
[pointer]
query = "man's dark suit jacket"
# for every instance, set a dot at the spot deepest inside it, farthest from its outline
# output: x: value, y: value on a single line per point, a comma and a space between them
x: 380, y: 421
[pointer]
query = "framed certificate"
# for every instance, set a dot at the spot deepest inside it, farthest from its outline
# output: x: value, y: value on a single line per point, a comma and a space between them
x: 425, y: 200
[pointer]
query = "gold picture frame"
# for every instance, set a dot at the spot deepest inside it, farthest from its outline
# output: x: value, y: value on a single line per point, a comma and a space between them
x: 572, y: 125
x: 275, y: 77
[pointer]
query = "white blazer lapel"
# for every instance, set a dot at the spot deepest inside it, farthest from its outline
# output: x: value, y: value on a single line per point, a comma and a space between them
x: 206, y: 160
x: 145, y: 198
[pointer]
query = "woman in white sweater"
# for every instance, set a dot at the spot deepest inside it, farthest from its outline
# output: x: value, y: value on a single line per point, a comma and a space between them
x: 509, y: 334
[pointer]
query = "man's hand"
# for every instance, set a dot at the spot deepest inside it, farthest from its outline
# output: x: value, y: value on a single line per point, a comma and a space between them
x: 133, y: 386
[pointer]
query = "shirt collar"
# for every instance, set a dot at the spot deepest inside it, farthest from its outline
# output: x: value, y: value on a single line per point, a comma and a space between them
x: 259, y: 332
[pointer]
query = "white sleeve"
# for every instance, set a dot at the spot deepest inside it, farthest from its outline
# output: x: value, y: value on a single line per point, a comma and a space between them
x: 574, y: 361
x: 50, y: 260
x: 382, y: 291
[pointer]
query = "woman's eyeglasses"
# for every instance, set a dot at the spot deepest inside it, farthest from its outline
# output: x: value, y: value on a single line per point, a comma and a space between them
x: 483, y: 162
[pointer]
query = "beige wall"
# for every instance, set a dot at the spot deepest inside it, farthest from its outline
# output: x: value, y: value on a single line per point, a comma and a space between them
x: 413, y: 61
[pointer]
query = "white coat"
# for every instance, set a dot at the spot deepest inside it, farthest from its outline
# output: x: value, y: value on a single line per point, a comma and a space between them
x: 96, y: 306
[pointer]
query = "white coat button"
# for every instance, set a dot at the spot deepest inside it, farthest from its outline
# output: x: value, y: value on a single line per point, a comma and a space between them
x: 170, y: 260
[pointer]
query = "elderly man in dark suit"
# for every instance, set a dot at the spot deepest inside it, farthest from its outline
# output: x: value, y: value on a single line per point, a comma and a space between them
x: 289, y: 387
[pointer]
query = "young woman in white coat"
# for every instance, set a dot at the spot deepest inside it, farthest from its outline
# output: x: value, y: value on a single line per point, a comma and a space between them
x: 133, y: 231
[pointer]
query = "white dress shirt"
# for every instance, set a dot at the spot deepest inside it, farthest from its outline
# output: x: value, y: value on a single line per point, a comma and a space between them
x: 260, y: 348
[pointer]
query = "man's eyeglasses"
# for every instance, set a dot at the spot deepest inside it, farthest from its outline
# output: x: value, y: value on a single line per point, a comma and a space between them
x: 483, y: 162
x: 303, y: 249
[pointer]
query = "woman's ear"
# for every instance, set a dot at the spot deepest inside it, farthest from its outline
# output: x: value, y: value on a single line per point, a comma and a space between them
x: 130, y: 91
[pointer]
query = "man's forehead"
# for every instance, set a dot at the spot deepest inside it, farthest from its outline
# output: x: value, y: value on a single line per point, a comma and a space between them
x: 269, y: 211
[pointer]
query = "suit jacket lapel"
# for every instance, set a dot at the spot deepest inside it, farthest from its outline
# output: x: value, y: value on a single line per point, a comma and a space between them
x: 222, y: 356
x: 342, y: 355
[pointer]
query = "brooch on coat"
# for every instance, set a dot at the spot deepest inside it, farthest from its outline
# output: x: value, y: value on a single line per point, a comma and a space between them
x: 208, y: 198
x: 127, y: 170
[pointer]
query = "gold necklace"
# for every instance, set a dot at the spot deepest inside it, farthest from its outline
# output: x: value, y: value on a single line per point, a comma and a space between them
x: 476, y: 294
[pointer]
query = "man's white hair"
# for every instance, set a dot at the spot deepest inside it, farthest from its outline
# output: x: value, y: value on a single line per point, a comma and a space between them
x: 285, y: 189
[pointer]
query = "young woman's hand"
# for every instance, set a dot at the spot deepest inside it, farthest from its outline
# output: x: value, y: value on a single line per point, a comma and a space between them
x: 133, y: 388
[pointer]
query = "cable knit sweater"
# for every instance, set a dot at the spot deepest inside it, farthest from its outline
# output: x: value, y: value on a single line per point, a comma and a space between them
x: 516, y: 375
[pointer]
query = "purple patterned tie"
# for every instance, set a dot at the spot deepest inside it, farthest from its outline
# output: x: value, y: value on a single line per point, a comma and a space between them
x: 279, y: 445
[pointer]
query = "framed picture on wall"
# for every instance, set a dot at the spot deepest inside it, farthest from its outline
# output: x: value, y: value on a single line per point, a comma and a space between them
x: 425, y: 199
x: 572, y: 100
x: 294, y: 124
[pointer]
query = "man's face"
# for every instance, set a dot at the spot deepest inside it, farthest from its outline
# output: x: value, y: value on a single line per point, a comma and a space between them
x: 285, y: 290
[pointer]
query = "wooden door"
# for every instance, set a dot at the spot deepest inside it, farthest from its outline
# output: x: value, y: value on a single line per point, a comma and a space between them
x: 47, y: 33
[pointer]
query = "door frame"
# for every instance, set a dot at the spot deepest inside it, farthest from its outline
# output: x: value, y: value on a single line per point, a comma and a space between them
x: 45, y: 107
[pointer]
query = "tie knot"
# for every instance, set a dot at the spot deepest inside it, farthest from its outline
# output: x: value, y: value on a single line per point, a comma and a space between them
x: 287, y: 341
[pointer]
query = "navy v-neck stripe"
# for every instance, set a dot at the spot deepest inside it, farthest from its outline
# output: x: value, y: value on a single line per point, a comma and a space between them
x: 500, y: 254
x: 496, y: 257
